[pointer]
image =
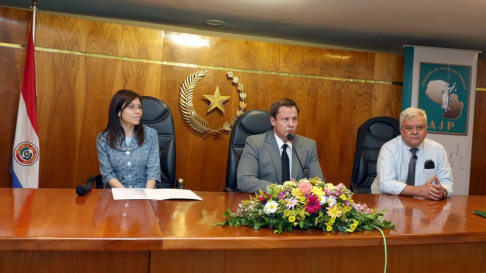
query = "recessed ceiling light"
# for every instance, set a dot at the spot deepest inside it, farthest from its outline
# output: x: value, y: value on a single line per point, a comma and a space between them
x: 214, y: 22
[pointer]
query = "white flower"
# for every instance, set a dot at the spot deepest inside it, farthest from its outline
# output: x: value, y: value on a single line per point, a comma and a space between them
x: 235, y: 79
x: 322, y: 199
x: 331, y: 200
x: 271, y: 207
x: 230, y: 74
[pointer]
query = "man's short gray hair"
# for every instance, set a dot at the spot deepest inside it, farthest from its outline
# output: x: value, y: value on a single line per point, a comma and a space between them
x: 412, y: 112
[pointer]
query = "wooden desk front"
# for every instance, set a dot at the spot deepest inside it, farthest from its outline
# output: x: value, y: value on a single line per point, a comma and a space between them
x: 430, y: 236
x: 50, y: 230
x: 54, y: 230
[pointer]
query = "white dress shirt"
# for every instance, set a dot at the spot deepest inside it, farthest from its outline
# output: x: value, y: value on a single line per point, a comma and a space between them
x: 289, y: 151
x: 393, y: 161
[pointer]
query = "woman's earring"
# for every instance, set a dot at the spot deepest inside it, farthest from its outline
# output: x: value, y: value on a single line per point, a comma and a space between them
x: 119, y: 114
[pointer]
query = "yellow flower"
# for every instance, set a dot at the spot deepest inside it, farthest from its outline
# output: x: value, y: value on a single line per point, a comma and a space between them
x: 317, y: 191
x: 329, y: 228
x: 302, y: 215
x: 347, y: 209
x: 334, y: 211
x: 292, y: 218
x: 297, y: 193
x: 286, y: 213
x: 343, y: 197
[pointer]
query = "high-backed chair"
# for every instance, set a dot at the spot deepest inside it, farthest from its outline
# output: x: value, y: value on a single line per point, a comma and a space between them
x: 250, y: 123
x: 157, y: 115
x: 371, y: 136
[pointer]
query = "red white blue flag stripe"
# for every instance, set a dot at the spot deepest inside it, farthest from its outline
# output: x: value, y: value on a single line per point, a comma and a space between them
x: 26, y: 154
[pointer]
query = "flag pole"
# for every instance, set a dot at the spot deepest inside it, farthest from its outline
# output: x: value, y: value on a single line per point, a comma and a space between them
x: 34, y: 7
x: 34, y: 16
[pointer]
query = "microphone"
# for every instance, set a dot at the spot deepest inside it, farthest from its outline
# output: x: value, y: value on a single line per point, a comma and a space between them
x: 290, y: 137
x: 83, y: 189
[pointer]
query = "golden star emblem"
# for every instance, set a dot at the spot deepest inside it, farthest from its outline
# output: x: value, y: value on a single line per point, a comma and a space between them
x: 216, y: 100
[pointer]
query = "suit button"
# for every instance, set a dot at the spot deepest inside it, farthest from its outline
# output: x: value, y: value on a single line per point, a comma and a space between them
x: 129, y: 163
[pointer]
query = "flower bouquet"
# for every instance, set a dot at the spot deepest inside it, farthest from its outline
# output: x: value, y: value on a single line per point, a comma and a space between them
x: 309, y: 203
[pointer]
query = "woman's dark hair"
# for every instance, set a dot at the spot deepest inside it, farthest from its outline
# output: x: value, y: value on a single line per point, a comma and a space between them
x: 115, y: 134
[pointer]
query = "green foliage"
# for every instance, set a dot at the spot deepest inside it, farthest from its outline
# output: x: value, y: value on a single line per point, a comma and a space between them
x: 305, y: 204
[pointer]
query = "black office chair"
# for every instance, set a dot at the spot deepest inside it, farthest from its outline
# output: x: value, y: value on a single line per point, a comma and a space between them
x: 157, y: 115
x: 371, y: 136
x: 250, y: 123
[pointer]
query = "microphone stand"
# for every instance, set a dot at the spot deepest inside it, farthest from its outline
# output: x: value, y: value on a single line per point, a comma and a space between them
x: 290, y: 137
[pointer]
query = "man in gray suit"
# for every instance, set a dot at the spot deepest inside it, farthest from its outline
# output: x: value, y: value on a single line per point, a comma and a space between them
x: 265, y: 154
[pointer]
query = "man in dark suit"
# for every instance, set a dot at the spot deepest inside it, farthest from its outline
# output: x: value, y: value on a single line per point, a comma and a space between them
x: 269, y: 158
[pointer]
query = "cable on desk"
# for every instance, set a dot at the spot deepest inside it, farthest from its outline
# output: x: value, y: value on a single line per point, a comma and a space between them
x: 384, y: 244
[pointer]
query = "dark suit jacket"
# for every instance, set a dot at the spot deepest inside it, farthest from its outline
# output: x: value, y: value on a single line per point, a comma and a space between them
x: 260, y: 164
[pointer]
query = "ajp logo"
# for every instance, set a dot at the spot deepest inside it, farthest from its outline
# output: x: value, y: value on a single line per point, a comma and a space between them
x: 444, y: 95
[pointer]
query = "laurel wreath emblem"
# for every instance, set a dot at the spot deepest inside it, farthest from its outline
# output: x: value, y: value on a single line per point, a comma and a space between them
x: 190, y: 115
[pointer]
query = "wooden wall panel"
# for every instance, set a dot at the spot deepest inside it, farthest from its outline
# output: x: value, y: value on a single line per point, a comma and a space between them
x: 14, y: 25
x: 75, y: 91
x: 269, y: 57
x: 61, y: 98
x: 388, y: 67
x: 73, y: 109
x: 11, y: 70
x: 75, y: 34
x: 331, y: 112
x: 481, y: 76
x: 325, y: 62
x: 387, y: 100
x: 215, y: 51
x: 14, y: 28
x: 477, y: 186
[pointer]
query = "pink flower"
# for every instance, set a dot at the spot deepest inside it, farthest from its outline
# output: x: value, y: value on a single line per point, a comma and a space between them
x: 313, y: 206
x: 327, y: 191
x: 305, y: 187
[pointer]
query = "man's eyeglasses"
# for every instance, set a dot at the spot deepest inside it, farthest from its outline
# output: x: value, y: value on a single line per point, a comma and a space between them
x: 418, y: 127
x: 133, y: 107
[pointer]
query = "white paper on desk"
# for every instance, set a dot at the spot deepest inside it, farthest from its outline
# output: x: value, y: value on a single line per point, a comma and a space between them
x: 165, y: 194
x: 153, y: 194
x: 129, y: 194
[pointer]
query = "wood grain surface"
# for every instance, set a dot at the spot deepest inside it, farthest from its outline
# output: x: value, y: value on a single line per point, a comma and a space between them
x: 431, y: 236
x: 74, y: 93
x: 428, y: 258
x: 47, y: 230
x: 14, y: 25
x: 57, y: 219
x: 75, y: 261
x: 188, y: 224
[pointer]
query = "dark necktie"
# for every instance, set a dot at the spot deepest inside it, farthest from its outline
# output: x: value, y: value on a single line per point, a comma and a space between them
x: 411, y: 167
x: 285, y: 164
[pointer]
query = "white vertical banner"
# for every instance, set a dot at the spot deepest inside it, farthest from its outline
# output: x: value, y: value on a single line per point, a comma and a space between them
x: 443, y: 83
